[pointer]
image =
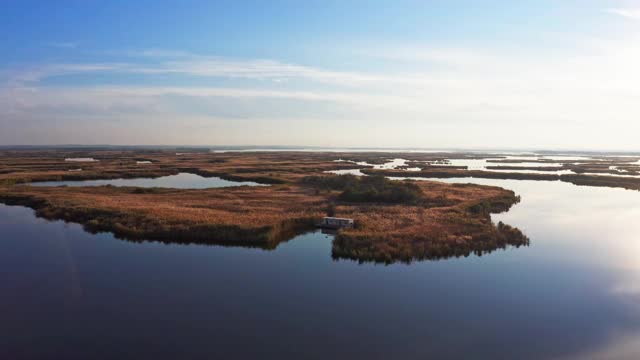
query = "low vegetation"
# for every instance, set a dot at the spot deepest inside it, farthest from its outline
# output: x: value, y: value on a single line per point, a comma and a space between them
x: 603, y: 180
x: 370, y: 189
x: 236, y: 216
x: 408, y: 233
x: 395, y: 220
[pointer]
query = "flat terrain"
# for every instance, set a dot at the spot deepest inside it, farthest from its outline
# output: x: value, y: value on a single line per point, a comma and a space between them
x: 395, y: 220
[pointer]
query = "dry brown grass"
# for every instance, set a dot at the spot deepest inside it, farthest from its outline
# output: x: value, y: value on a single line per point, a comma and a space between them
x: 577, y: 179
x: 450, y: 220
x: 406, y: 233
x: 244, y: 215
x: 30, y: 166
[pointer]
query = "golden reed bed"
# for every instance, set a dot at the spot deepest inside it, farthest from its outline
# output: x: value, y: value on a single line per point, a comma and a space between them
x: 448, y: 219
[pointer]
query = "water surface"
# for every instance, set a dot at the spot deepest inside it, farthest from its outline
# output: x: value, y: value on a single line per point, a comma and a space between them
x: 85, y: 159
x: 179, y: 181
x: 574, y: 293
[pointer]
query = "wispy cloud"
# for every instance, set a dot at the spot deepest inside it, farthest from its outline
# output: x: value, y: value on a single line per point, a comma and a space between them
x: 29, y: 76
x: 63, y: 45
x: 217, y: 67
x: 155, y: 53
x: 186, y: 63
x: 499, y: 87
x: 630, y: 13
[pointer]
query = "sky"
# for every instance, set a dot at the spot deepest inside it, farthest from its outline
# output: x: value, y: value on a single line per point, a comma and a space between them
x: 530, y: 74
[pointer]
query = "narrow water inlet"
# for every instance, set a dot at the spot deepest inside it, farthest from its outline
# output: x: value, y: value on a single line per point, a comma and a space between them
x: 178, y: 181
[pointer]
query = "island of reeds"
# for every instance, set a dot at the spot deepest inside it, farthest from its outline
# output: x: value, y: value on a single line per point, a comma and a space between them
x: 395, y: 220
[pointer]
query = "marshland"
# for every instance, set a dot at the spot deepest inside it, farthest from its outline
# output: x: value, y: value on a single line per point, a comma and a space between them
x: 319, y: 180
x: 396, y: 220
x: 218, y: 229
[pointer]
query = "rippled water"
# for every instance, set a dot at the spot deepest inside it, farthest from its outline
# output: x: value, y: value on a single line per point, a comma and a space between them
x: 179, y: 181
x: 573, y: 293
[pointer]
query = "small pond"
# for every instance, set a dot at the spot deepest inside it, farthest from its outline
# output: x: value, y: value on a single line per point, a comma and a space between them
x: 179, y: 181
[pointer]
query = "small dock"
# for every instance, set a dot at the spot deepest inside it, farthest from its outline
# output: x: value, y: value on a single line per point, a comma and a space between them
x: 329, y: 222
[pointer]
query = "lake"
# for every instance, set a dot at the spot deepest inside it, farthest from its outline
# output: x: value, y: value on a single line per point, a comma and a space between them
x: 573, y: 293
x: 178, y: 181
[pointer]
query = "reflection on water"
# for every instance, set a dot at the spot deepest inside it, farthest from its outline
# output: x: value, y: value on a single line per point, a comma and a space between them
x: 574, y: 293
x: 485, y: 164
x: 81, y: 159
x: 557, y: 172
x: 179, y: 181
x: 614, y: 175
x: 391, y: 164
x: 356, y: 172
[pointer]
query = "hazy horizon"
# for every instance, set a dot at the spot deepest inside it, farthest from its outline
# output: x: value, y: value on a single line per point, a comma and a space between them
x: 320, y: 179
x: 275, y: 148
x: 543, y: 75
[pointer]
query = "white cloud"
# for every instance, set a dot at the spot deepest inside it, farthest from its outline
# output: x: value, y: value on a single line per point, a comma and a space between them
x: 631, y: 13
x: 63, y: 45
x: 30, y: 76
x: 210, y: 67
x: 586, y: 96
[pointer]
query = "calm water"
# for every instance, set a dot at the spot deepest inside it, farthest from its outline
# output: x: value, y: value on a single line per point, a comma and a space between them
x: 574, y: 293
x: 179, y: 181
x: 483, y: 164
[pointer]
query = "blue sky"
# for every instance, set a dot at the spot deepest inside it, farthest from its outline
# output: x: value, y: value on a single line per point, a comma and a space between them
x: 490, y: 74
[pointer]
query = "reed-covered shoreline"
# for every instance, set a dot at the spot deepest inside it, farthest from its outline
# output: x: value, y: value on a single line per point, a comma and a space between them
x: 395, y: 220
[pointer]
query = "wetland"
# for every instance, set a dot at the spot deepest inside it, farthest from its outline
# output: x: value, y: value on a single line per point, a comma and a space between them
x: 181, y: 269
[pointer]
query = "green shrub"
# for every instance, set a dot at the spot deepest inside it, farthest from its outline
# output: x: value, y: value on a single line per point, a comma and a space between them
x: 8, y: 182
x: 367, y: 188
